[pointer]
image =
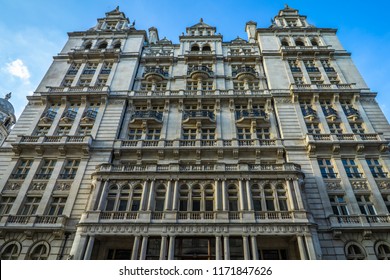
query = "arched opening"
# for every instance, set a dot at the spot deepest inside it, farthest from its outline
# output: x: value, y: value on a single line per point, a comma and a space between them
x: 88, y: 45
x: 285, y: 43
x: 102, y: 45
x: 10, y: 251
x: 299, y: 43
x: 206, y: 48
x: 39, y: 251
x: 195, y: 48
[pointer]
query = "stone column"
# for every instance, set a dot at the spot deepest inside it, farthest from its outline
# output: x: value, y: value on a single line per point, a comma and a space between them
x: 301, y: 247
x: 134, y: 254
x: 241, y: 195
x: 168, y: 197
x: 78, y: 246
x: 88, y: 251
x: 144, y: 196
x: 218, y: 248
x: 163, y: 248
x: 249, y: 196
x: 175, y: 196
x: 226, y: 248
x: 151, y: 196
x: 217, y: 196
x: 255, y: 251
x: 144, y: 246
x: 245, y: 245
x: 310, y: 247
x: 225, y: 198
x: 171, y: 249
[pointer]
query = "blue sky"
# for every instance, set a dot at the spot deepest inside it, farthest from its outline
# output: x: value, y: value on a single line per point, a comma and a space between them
x: 32, y: 32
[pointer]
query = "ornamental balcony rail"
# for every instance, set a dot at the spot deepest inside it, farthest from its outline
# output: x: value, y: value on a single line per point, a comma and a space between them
x: 141, y: 143
x: 329, y: 69
x: 216, y: 92
x: 155, y: 73
x: 310, y: 87
x: 359, y: 221
x: 81, y: 52
x: 251, y: 114
x: 78, y: 89
x: 67, y: 176
x: 69, y: 114
x: 147, y: 115
x: 329, y: 175
x: 346, y: 137
x: 296, y: 69
x: 18, y: 175
x: 125, y: 168
x: 199, y: 72
x: 35, y: 221
x: 312, y: 69
x: 197, y: 216
x: 379, y: 174
x: 90, y: 114
x: 44, y: 176
x: 198, y: 115
x: 245, y: 73
x: 55, y: 139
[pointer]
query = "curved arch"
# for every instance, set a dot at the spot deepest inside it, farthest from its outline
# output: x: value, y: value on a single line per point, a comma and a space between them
x: 314, y: 42
x: 299, y: 42
x: 10, y: 250
x: 206, y: 48
x: 87, y: 45
x: 102, y: 45
x: 354, y: 251
x: 285, y: 42
x: 382, y: 250
x: 39, y: 251
x: 117, y: 44
x: 195, y: 48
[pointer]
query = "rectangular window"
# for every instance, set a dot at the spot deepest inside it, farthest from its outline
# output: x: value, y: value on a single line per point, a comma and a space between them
x: 244, y: 133
x: 85, y: 130
x: 263, y: 133
x: 67, y: 82
x: 42, y: 130
x: 153, y: 134
x: 208, y: 134
x: 84, y: 82
x: 365, y: 204
x: 386, y: 199
x: 339, y: 205
x: 106, y: 68
x: 135, y: 133
x: 57, y: 206
x: 376, y: 168
x: 22, y: 169
x: 326, y: 167
x: 70, y: 169
x: 351, y: 168
x: 46, y: 169
x: 189, y: 134
x: 335, y: 128
x: 73, y: 69
x: 238, y: 86
x: 30, y: 205
x: 6, y: 203
x: 357, y: 128
x: 90, y: 68
x: 313, y: 128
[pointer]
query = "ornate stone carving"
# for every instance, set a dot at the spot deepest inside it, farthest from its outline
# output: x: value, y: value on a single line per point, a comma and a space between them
x: 283, y: 100
x: 12, y: 187
x: 359, y: 185
x: 384, y: 185
x: 38, y: 186
x: 62, y: 187
x: 368, y: 100
x: 333, y: 186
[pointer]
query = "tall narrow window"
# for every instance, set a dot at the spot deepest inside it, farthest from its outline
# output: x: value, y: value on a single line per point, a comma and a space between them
x: 135, y: 133
x: 269, y: 198
x: 57, y: 206
x: 160, y: 198
x: 70, y: 169
x: 30, y: 205
x: 339, y: 205
x: 153, y: 134
x: 233, y: 198
x: 244, y: 133
x: 196, y: 198
x: 136, y: 199
x: 39, y: 252
x: 189, y: 134
x: 208, y: 133
x: 10, y: 252
x: 184, y: 198
x: 22, y: 169
x: 376, y: 168
x: 335, y: 128
x: 326, y: 167
x: 256, y: 197
x: 282, y: 198
x: 365, y: 204
x: 313, y: 128
x: 351, y: 168
x: 6, y: 203
x: 46, y: 169
x: 209, y: 198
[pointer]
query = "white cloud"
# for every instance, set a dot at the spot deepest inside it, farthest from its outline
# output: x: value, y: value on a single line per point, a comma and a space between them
x: 18, y: 69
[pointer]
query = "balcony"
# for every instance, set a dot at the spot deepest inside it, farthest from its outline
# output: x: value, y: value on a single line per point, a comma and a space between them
x: 48, y: 116
x: 148, y: 116
x: 90, y: 115
x: 250, y: 115
x: 154, y: 74
x: 200, y: 72
x: 245, y: 73
x: 194, y: 116
x: 360, y: 221
x: 32, y: 221
x: 42, y: 176
x: 82, y: 53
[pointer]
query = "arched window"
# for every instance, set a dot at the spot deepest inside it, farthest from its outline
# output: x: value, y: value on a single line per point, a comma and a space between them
x: 299, y: 42
x: 314, y: 42
x: 88, y: 45
x: 10, y: 251
x: 285, y: 42
x: 39, y: 251
x: 353, y: 251
x: 102, y: 45
x: 269, y: 198
x: 184, y: 198
x: 206, y: 48
x: 195, y: 48
x: 209, y: 198
x: 256, y: 197
x: 117, y: 45
x: 282, y: 198
x: 160, y: 198
x: 382, y: 251
x: 196, y: 198
x: 233, y: 198
x: 123, y: 199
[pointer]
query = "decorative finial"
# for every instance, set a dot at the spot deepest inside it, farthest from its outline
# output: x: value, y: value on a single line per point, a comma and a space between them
x: 117, y: 8
x: 8, y: 96
x: 201, y: 19
x: 286, y: 6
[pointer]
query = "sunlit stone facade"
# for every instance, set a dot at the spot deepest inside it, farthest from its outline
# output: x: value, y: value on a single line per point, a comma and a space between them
x: 134, y: 147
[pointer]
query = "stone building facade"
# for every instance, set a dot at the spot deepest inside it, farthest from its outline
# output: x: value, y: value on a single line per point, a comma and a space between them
x: 133, y: 147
